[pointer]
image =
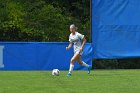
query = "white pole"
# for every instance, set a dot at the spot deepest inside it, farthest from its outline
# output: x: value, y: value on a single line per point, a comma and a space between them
x: 1, y: 57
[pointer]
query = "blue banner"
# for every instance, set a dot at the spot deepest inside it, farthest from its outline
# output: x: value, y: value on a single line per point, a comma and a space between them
x: 116, y: 28
x: 39, y: 56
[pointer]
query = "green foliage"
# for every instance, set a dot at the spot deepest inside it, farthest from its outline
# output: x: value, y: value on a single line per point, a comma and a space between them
x: 11, y: 20
x: 42, y: 20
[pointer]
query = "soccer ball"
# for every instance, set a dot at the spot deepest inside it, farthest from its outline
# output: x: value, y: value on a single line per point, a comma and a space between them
x: 55, y: 72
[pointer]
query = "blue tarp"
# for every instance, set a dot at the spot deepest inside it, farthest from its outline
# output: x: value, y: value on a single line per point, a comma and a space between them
x: 39, y: 56
x: 116, y: 28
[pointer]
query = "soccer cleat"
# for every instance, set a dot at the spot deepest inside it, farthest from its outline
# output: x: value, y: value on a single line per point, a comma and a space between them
x: 69, y: 74
x: 89, y: 68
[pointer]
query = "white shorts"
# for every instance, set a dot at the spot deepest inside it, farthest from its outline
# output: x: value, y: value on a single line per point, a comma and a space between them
x: 78, y: 52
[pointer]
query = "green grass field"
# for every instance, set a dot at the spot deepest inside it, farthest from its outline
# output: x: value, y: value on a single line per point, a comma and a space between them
x: 99, y: 81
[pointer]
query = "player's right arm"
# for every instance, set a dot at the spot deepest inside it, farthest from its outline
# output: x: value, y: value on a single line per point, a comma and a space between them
x: 69, y: 46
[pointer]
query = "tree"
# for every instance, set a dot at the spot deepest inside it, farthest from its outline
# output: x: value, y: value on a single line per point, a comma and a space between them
x: 42, y: 20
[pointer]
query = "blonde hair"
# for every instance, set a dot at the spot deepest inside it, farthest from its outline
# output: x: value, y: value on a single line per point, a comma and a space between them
x: 73, y: 26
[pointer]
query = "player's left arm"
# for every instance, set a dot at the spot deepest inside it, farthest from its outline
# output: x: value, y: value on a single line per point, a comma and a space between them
x: 83, y: 43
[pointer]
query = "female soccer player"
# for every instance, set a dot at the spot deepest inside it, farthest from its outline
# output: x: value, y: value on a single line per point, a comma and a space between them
x: 79, y: 41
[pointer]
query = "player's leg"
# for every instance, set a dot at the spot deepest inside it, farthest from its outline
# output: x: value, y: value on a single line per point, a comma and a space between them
x: 73, y: 59
x: 83, y: 63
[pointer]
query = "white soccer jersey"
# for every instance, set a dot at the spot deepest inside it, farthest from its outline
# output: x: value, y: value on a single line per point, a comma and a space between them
x: 77, y: 40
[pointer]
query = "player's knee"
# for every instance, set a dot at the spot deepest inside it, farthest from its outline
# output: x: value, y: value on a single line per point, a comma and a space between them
x: 80, y: 62
x: 72, y: 61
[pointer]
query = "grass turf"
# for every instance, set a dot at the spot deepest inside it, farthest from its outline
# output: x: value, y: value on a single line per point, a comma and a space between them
x: 99, y: 81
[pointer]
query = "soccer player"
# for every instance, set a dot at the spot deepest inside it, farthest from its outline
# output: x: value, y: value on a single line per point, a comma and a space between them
x: 79, y: 41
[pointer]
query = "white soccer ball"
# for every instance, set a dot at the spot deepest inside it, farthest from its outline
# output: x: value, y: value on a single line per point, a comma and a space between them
x: 55, y: 72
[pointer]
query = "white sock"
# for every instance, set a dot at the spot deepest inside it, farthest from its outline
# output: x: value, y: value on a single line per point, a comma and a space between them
x: 84, y: 64
x: 71, y: 68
